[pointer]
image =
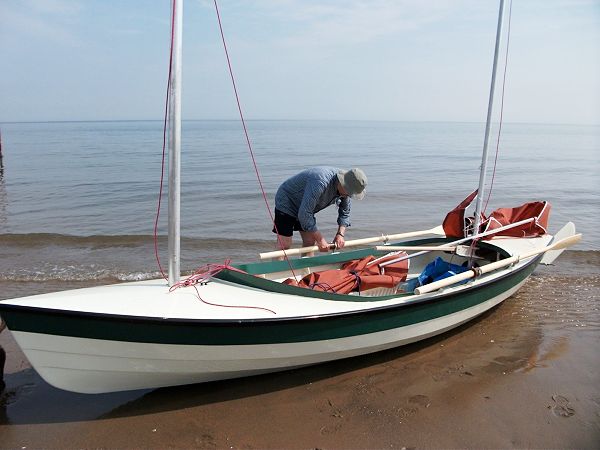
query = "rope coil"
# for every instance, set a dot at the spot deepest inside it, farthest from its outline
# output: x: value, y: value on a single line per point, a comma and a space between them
x: 203, y: 275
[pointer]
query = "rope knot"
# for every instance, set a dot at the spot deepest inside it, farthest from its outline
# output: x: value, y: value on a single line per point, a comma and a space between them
x: 203, y: 274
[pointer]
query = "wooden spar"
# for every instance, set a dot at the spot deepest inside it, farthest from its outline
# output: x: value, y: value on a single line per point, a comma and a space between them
x: 408, y: 248
x: 396, y: 249
x: 460, y: 241
x: 175, y: 147
x: 563, y: 243
x: 439, y: 230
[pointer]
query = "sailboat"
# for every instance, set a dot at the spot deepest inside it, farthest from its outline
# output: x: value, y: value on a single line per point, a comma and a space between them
x: 249, y: 319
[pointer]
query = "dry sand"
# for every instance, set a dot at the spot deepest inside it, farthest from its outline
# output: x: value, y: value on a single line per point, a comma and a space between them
x: 524, y: 375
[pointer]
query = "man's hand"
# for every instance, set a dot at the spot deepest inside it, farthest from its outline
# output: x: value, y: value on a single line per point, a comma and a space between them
x: 339, y: 241
x: 323, y: 245
x: 320, y: 242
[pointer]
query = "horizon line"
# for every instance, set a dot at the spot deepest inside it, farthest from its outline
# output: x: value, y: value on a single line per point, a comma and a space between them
x: 295, y: 120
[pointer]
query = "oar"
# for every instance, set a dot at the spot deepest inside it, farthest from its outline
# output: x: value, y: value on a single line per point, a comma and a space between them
x: 563, y: 243
x: 567, y: 230
x: 460, y: 241
x: 439, y: 230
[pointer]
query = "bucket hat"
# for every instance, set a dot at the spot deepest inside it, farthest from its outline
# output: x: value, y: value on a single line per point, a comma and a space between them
x: 354, y: 182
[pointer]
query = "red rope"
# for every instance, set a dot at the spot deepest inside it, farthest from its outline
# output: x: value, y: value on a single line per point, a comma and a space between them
x: 237, y: 98
x: 164, y: 147
x: 203, y: 275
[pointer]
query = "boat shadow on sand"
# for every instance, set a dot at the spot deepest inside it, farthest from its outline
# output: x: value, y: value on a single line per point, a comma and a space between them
x: 28, y: 399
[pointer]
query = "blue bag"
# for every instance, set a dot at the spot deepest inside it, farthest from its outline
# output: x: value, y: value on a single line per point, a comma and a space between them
x: 434, y: 271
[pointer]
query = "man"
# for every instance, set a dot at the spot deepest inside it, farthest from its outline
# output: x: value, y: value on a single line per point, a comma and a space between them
x: 300, y: 197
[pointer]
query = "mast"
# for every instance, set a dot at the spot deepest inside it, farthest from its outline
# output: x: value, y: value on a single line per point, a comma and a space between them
x: 484, y: 157
x: 175, y: 146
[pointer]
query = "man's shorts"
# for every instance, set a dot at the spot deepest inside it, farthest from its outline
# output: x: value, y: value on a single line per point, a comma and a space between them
x: 285, y: 225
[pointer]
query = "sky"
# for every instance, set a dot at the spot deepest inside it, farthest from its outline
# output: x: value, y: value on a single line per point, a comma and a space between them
x: 398, y: 60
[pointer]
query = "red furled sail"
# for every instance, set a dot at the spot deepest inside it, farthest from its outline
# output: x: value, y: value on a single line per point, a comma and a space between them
x: 356, y: 276
x: 456, y: 225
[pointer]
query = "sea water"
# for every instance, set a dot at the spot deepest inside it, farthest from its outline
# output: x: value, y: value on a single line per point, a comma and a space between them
x: 78, y: 200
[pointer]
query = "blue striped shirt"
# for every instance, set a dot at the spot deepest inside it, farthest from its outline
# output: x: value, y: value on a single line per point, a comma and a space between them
x: 310, y: 191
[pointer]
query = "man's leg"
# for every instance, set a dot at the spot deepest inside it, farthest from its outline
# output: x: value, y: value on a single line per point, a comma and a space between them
x: 284, y: 229
x: 283, y: 243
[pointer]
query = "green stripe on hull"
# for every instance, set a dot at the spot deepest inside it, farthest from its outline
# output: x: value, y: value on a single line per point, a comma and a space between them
x: 247, y: 332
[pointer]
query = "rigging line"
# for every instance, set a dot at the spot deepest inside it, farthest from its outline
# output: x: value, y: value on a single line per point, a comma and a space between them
x: 237, y: 98
x: 501, y: 107
x: 162, y: 167
x: 230, y: 306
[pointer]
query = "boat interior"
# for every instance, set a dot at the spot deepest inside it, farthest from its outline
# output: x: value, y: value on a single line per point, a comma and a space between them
x: 271, y: 275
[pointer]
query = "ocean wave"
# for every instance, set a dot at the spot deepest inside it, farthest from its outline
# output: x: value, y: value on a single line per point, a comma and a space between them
x: 571, y: 265
x: 32, y: 240
x: 46, y: 239
x: 38, y: 240
x: 74, y: 275
x: 48, y: 257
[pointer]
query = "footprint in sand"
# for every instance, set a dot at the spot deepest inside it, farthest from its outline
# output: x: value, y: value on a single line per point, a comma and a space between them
x: 562, y: 408
x: 421, y: 400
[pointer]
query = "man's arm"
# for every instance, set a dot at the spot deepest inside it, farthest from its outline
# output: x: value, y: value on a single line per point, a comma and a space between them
x: 343, y: 221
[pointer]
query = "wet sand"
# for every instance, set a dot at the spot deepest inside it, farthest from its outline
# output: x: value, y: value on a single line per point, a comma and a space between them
x: 524, y: 375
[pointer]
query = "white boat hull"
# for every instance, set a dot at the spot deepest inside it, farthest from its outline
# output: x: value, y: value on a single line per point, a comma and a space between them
x: 96, y: 366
